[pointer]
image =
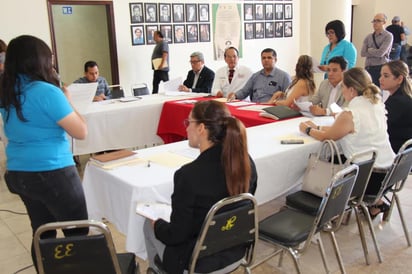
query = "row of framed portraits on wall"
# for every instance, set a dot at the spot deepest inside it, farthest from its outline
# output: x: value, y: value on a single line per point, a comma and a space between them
x: 172, y: 33
x: 268, y: 29
x: 168, y: 13
x: 267, y: 11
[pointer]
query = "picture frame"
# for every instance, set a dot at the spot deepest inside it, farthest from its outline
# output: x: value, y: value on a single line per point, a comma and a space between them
x: 192, y: 33
x: 278, y: 11
x: 150, y: 12
x: 288, y: 29
x: 179, y: 34
x: 259, y: 30
x: 278, y: 29
x: 288, y: 10
x: 268, y: 11
x: 269, y: 30
x: 178, y: 13
x: 150, y: 29
x: 249, y: 31
x: 259, y: 13
x: 136, y: 13
x: 191, y: 12
x: 167, y: 32
x: 165, y: 13
x: 138, y: 36
x: 203, y: 12
x: 204, y: 32
x: 249, y: 14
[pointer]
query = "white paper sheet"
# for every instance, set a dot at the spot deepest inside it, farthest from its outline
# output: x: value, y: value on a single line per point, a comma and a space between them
x: 303, y: 106
x: 82, y: 95
x: 154, y: 211
x: 172, y: 85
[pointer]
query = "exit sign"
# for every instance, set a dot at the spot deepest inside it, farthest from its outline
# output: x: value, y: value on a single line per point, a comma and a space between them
x: 67, y: 10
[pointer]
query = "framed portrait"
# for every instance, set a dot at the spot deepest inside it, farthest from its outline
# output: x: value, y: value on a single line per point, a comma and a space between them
x: 151, y: 12
x: 269, y: 30
x: 178, y: 13
x: 179, y: 34
x: 278, y: 11
x: 204, y: 32
x: 248, y: 12
x: 192, y: 33
x: 191, y: 13
x: 259, y: 30
x: 204, y: 12
x: 288, y: 31
x: 164, y: 13
x: 167, y: 33
x: 278, y: 29
x: 137, y: 35
x: 288, y: 11
x: 136, y: 13
x: 269, y: 11
x: 249, y: 31
x: 150, y: 29
x: 259, y: 15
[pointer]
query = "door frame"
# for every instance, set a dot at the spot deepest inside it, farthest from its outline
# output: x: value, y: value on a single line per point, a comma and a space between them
x: 110, y: 26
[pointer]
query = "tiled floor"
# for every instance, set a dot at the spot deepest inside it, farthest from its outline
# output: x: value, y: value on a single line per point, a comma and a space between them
x: 15, y: 238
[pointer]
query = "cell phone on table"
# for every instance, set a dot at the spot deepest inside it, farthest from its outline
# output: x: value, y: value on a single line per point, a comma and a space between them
x: 292, y: 141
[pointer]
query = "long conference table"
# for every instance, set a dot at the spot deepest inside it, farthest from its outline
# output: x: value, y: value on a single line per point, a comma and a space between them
x: 113, y: 124
x: 113, y: 194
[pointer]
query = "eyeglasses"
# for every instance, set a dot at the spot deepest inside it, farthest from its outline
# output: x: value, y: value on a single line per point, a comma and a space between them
x: 330, y: 33
x: 194, y: 62
x: 376, y: 21
x: 186, y: 122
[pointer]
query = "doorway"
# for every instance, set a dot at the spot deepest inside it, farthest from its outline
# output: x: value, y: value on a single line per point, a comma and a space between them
x: 83, y: 31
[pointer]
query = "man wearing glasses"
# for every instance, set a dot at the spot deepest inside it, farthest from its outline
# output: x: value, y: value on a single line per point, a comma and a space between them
x: 377, y: 47
x: 199, y: 78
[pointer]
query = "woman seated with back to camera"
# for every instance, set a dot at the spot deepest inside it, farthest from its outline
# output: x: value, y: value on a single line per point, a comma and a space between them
x: 302, y: 86
x: 223, y: 168
x: 361, y: 126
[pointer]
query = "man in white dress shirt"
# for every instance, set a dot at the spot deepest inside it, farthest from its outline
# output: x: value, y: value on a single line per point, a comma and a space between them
x: 232, y: 77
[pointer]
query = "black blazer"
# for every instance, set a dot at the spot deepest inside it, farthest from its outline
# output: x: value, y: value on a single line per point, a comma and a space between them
x: 204, y: 83
x: 399, y: 107
x: 197, y: 187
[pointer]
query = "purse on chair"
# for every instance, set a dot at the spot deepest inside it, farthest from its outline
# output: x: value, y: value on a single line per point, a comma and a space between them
x: 321, y: 168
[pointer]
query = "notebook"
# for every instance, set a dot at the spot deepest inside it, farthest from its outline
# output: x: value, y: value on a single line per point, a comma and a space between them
x: 279, y: 112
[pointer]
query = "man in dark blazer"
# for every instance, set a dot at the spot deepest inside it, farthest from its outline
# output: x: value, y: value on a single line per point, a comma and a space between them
x: 199, y: 78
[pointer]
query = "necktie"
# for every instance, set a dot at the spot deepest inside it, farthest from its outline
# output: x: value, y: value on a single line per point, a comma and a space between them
x: 231, y: 71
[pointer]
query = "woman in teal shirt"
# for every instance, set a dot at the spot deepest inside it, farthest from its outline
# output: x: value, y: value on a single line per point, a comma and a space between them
x: 335, y: 31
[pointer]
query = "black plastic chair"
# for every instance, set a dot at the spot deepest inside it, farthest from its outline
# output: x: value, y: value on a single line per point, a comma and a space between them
x: 116, y: 91
x: 140, y: 89
x: 310, y: 203
x: 393, y: 183
x: 231, y: 223
x: 289, y: 228
x: 81, y: 254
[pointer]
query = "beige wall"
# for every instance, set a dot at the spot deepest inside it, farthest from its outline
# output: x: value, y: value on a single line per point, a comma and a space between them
x: 310, y: 18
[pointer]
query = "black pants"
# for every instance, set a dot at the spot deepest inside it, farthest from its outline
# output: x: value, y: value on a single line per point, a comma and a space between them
x: 159, y: 75
x: 375, y: 73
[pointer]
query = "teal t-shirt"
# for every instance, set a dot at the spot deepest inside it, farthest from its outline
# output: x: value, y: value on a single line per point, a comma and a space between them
x: 39, y: 144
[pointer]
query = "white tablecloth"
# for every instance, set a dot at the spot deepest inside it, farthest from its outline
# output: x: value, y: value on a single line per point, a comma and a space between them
x: 114, y: 125
x: 113, y: 194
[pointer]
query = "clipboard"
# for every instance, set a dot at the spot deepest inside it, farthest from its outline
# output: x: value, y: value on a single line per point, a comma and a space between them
x: 156, y: 63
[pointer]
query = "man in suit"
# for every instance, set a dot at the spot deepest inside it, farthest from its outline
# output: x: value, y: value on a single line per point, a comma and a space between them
x: 330, y: 90
x: 200, y: 78
x: 137, y: 14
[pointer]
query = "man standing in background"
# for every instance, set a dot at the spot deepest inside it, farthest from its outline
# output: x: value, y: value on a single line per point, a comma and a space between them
x: 160, y: 61
x: 376, y: 47
x: 398, y: 38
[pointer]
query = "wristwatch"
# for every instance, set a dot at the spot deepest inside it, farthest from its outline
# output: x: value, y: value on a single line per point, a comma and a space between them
x: 307, y: 130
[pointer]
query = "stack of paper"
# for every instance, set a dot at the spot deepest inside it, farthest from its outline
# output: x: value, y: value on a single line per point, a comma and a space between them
x: 154, y: 211
x: 114, y: 159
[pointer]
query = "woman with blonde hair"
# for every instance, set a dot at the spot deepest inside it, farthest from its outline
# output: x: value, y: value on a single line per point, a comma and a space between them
x: 302, y: 86
x: 395, y: 79
x: 361, y: 126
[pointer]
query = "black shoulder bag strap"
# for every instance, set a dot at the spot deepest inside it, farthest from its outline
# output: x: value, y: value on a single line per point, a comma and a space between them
x: 374, y: 41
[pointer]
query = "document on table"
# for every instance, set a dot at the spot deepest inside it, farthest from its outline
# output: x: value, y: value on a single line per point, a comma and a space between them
x: 303, y: 106
x: 172, y: 85
x: 82, y: 95
x: 154, y: 211
x: 169, y: 159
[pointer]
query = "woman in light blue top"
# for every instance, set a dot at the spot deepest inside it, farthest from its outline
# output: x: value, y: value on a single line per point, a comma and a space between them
x: 335, y: 31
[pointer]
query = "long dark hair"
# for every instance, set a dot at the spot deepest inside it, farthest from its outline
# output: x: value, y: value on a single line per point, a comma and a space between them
x: 304, y: 71
x: 231, y: 133
x: 29, y: 57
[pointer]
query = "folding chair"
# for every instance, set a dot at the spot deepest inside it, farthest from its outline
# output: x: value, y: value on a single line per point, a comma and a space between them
x: 116, y: 91
x: 140, y: 89
x: 81, y: 254
x: 310, y: 203
x: 292, y: 230
x: 232, y: 223
x: 393, y: 183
